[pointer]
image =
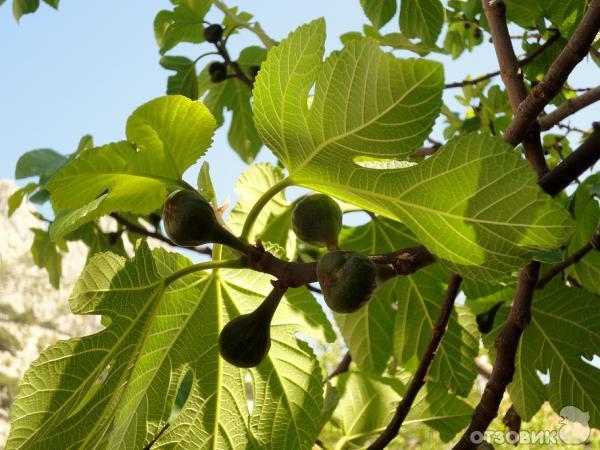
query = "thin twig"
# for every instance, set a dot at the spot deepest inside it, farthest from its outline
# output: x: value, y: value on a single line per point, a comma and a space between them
x: 571, y: 106
x: 239, y: 73
x: 573, y: 259
x: 153, y: 441
x: 521, y: 63
x: 585, y: 156
x: 420, y: 376
x: 342, y: 367
x: 503, y: 370
x: 512, y: 76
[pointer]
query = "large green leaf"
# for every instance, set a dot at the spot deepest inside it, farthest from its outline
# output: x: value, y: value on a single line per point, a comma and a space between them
x: 587, y: 216
x: 117, y: 388
x: 564, y: 14
x: 184, y: 24
x: 565, y: 327
x: 422, y: 19
x: 367, y: 331
x: 164, y: 137
x: 475, y: 204
x: 367, y: 404
x: 379, y: 12
x: 419, y: 298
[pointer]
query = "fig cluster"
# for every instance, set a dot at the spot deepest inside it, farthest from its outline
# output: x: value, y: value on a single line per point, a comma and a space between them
x: 347, y: 279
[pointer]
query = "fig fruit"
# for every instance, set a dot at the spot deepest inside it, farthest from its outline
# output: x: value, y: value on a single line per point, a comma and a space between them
x: 317, y: 220
x: 213, y: 33
x: 245, y: 341
x: 485, y: 320
x: 348, y: 280
x: 217, y: 71
x: 190, y: 220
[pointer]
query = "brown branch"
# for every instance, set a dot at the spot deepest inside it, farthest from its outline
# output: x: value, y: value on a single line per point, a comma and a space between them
x: 571, y: 106
x: 521, y: 63
x: 420, y: 376
x: 294, y: 274
x: 503, y: 370
x: 342, y: 367
x: 512, y: 76
x: 574, y: 51
x: 520, y: 313
x: 585, y: 156
x: 573, y: 259
x: 136, y: 228
x: 239, y: 74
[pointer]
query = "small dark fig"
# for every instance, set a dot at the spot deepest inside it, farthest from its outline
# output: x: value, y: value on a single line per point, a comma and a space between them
x: 317, y: 220
x: 477, y: 34
x: 485, y: 320
x: 217, y: 71
x: 245, y: 341
x: 213, y: 33
x: 348, y: 280
x: 190, y: 220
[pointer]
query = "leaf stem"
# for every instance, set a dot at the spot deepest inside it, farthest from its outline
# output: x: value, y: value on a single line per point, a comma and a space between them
x: 260, y: 204
x: 228, y: 263
x: 255, y: 27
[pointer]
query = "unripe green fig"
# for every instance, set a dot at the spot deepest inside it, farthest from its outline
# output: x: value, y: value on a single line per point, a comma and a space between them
x: 485, y: 320
x: 245, y: 341
x: 317, y: 220
x: 190, y: 220
x: 213, y: 33
x: 347, y: 279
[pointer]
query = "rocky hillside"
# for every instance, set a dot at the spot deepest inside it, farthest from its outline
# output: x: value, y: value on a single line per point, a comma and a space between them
x: 33, y: 314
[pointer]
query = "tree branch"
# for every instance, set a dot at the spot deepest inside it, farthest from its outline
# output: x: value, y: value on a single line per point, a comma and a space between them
x: 573, y: 259
x: 520, y: 313
x: 585, y: 156
x: 521, y: 63
x: 571, y: 106
x: 239, y: 73
x: 575, y: 50
x: 503, y: 370
x: 420, y: 376
x: 513, y: 80
x: 293, y: 274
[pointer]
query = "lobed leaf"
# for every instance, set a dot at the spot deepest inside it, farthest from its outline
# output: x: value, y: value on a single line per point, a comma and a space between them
x: 165, y: 137
x: 368, y: 103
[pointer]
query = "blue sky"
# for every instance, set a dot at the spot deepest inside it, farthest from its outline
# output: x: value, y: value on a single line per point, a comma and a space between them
x: 85, y: 68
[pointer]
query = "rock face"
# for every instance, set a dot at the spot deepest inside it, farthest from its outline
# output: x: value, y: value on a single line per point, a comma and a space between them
x: 33, y: 314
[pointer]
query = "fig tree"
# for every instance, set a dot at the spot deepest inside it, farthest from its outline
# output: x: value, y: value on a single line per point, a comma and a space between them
x: 213, y: 33
x: 317, y: 220
x: 190, y: 220
x: 347, y: 279
x: 245, y: 341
